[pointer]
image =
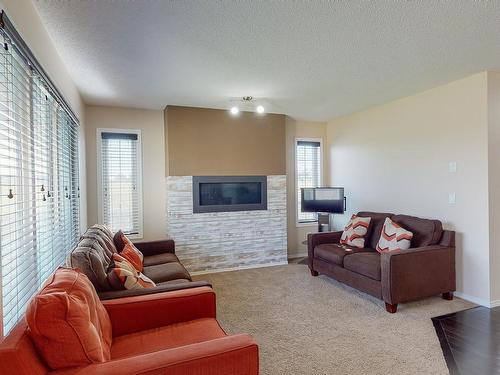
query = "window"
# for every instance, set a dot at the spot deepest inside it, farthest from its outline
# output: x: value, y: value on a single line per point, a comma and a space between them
x: 308, y: 172
x: 39, y: 188
x: 120, y: 180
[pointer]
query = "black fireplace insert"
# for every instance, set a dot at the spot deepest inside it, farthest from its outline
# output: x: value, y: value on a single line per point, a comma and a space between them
x: 229, y: 193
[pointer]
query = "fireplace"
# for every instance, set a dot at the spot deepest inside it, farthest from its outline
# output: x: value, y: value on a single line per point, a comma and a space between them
x: 229, y: 193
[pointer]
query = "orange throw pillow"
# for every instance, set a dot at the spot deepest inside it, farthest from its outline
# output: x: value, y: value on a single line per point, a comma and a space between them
x: 132, y: 254
x: 123, y: 275
x: 68, y: 323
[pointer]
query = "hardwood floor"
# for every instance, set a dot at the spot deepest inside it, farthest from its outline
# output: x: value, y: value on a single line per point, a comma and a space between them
x: 470, y: 340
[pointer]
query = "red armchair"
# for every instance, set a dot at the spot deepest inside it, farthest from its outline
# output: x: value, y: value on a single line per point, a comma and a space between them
x: 174, y: 332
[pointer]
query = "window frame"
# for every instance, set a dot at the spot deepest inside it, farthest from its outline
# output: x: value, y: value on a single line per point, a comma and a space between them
x: 298, y: 222
x: 100, y: 199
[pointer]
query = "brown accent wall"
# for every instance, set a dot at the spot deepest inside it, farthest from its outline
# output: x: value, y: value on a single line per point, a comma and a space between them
x: 202, y: 141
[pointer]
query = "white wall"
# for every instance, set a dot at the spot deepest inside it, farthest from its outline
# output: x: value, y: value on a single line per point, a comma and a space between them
x: 151, y: 124
x: 494, y: 183
x: 298, y: 233
x: 395, y: 158
x: 28, y: 24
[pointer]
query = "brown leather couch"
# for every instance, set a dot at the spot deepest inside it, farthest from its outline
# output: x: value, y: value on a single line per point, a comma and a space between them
x: 93, y: 253
x: 424, y: 270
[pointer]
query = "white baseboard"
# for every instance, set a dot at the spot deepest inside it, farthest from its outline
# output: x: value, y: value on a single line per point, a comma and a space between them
x: 495, y: 303
x: 478, y: 301
x: 239, y: 268
x: 300, y: 254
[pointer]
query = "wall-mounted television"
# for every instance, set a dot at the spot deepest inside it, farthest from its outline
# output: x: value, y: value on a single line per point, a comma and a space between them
x: 323, y: 199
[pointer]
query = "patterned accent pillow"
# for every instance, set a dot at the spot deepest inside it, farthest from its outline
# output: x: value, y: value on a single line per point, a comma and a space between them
x: 355, y: 231
x: 393, y: 237
x: 123, y: 275
x: 132, y: 254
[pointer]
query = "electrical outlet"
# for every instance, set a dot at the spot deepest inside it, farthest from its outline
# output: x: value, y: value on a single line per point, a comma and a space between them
x: 452, y: 167
x: 452, y: 198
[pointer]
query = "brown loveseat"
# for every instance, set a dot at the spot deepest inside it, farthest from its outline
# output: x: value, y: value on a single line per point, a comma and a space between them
x: 93, y: 253
x: 424, y: 270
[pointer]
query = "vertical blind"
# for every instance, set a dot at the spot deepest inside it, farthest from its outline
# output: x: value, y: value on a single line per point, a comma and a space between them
x: 120, y: 182
x: 308, y: 174
x: 39, y: 188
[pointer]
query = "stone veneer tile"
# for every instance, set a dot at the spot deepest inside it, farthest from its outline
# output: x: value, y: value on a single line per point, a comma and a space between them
x: 222, y: 240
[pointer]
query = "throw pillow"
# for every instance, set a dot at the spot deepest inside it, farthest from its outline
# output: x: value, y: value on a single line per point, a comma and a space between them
x: 393, y: 237
x: 68, y: 323
x: 118, y: 240
x: 123, y: 275
x: 133, y: 255
x: 355, y: 231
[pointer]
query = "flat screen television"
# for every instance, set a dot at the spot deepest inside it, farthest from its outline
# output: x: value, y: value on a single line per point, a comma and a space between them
x: 323, y: 199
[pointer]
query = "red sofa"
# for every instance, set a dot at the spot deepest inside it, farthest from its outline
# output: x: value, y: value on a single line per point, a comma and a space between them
x: 171, y: 332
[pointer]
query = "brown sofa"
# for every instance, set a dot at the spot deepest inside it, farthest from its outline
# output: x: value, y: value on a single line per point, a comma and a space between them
x: 93, y: 255
x: 424, y: 270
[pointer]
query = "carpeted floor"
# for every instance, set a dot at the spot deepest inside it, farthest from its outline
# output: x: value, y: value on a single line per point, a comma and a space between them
x: 315, y: 325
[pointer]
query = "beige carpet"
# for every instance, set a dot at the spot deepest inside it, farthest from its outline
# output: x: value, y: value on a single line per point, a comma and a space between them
x: 315, y: 325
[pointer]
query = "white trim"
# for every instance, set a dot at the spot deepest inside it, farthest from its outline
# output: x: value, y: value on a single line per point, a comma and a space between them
x: 305, y: 139
x: 313, y: 224
x: 139, y: 177
x: 300, y: 254
x: 239, y: 268
x: 495, y: 303
x: 478, y: 301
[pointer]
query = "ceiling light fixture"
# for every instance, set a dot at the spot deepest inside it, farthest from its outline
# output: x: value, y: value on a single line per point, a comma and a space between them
x: 234, y: 110
x: 260, y: 109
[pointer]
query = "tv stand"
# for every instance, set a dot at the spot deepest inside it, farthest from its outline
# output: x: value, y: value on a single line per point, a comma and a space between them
x: 325, y: 222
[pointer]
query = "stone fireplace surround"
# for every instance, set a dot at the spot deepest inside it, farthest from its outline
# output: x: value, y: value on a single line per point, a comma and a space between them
x: 218, y: 241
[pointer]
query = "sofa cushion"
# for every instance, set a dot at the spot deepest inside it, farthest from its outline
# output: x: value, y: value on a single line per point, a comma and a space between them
x: 166, y: 272
x: 425, y: 231
x: 354, y: 233
x: 366, y: 264
x: 93, y: 260
x: 335, y: 253
x: 393, y: 237
x: 68, y: 324
x: 103, y: 241
x: 376, y: 224
x: 106, y: 234
x: 167, y: 337
x: 153, y: 260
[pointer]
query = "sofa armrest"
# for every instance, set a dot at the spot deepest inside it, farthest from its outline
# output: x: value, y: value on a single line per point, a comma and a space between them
x: 416, y: 273
x: 112, y: 294
x: 133, y: 314
x: 315, y: 239
x: 237, y: 354
x: 156, y: 247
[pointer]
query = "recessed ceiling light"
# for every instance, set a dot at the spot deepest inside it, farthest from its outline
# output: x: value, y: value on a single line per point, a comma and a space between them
x: 234, y: 110
x: 260, y: 109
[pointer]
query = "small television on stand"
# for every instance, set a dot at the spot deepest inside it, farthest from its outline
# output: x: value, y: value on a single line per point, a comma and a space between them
x: 325, y: 201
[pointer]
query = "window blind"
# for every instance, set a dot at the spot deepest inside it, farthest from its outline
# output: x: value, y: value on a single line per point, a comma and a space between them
x: 308, y: 174
x: 121, y: 183
x: 39, y: 193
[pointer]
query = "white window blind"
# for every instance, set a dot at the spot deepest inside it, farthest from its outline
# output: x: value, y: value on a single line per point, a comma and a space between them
x: 39, y: 194
x: 308, y: 174
x: 120, y: 166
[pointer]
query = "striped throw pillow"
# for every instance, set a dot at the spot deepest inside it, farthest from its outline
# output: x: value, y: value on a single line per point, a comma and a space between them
x: 133, y: 255
x: 393, y: 237
x: 355, y: 231
x: 123, y: 275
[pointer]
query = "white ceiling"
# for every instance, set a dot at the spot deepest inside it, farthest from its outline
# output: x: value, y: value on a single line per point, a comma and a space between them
x: 310, y: 60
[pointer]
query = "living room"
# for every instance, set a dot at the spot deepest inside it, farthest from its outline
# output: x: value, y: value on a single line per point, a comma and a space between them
x: 156, y: 163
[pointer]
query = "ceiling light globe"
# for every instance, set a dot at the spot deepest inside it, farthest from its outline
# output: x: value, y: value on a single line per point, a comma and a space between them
x: 260, y: 109
x: 234, y: 110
